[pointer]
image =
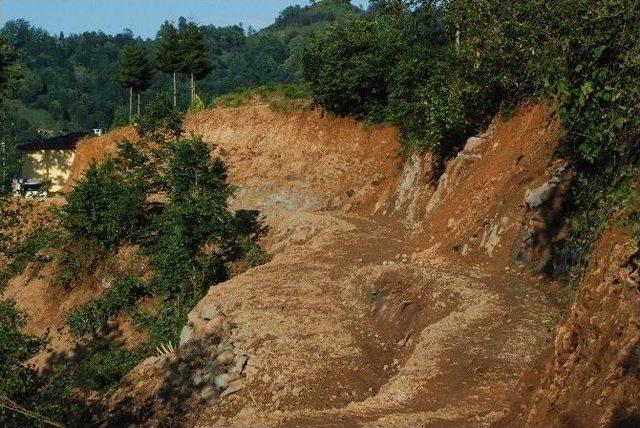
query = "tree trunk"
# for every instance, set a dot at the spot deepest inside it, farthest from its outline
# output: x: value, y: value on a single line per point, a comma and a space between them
x: 193, y: 88
x: 175, y: 91
x: 130, y: 102
x: 138, y: 103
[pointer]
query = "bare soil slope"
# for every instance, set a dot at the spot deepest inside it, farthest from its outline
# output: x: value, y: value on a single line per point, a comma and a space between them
x: 590, y: 375
x: 361, y: 318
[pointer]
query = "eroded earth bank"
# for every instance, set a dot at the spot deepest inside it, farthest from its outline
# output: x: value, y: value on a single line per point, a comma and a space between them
x: 397, y: 296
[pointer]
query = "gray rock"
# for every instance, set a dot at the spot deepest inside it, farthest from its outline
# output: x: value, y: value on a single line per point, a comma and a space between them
x: 208, y: 394
x: 225, y: 347
x: 222, y: 380
x: 208, y: 313
x: 473, y: 143
x: 233, y: 387
x: 241, y: 363
x: 537, y: 197
x: 186, y: 334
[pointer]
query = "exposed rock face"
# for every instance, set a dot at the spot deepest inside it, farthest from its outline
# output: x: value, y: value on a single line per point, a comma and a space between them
x: 590, y: 376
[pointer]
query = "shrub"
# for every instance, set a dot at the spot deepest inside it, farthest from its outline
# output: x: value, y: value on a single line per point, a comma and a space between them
x: 77, y: 259
x: 165, y: 324
x: 120, y: 117
x: 254, y: 255
x: 104, y: 207
x: 160, y: 117
x: 49, y: 397
x: 93, y: 316
x: 348, y: 66
x: 105, y: 368
x: 196, y: 105
x: 29, y: 250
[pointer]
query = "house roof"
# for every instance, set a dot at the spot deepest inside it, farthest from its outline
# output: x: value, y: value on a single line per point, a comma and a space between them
x: 61, y: 142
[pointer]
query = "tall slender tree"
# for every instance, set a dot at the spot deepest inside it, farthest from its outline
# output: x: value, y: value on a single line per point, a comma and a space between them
x: 195, y: 63
x: 135, y: 73
x: 169, y: 55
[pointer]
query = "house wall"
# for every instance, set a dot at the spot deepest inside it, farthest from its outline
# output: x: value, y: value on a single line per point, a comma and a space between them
x: 50, y: 166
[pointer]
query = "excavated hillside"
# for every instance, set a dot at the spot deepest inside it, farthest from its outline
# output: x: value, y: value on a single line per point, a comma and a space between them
x: 395, y: 297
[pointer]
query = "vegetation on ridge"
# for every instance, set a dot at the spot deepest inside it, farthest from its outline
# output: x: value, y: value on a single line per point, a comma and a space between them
x: 163, y: 194
x: 442, y: 69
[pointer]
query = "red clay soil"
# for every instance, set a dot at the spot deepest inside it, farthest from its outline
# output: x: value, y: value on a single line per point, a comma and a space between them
x: 478, y: 213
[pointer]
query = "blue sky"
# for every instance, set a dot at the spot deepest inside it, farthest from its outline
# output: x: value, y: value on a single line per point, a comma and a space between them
x: 143, y: 17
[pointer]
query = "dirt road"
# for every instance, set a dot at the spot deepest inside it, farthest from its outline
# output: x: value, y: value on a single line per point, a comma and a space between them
x: 343, y: 330
x: 361, y: 318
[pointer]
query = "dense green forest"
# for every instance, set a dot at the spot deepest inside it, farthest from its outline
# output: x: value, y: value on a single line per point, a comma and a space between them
x: 69, y: 81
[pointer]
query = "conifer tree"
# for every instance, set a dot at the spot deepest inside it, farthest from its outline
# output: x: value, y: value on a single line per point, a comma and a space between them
x: 169, y: 54
x: 195, y: 62
x: 135, y: 73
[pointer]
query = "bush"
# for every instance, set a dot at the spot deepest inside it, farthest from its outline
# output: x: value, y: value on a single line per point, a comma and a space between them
x: 49, y: 397
x: 160, y: 117
x: 29, y: 250
x: 165, y: 324
x: 106, y: 367
x: 92, y: 317
x: 349, y: 66
x: 196, y: 105
x: 77, y: 259
x: 104, y: 207
x: 254, y: 255
x: 120, y: 117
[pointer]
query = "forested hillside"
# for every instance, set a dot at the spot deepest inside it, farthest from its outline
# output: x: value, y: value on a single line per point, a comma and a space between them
x: 69, y: 80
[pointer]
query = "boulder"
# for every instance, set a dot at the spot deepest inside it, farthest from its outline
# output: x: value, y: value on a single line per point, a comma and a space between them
x: 186, y: 334
x: 537, y: 197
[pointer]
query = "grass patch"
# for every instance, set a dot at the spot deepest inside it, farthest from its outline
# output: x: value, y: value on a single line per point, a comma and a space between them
x: 280, y: 96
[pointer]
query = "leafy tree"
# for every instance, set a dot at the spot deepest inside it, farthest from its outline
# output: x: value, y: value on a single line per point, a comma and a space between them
x: 169, y: 54
x: 195, y: 62
x: 9, y: 70
x: 349, y: 66
x: 135, y: 73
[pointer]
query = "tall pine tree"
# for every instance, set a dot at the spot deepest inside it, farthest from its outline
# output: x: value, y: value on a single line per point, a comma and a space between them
x: 169, y: 54
x: 135, y: 73
x: 195, y: 62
